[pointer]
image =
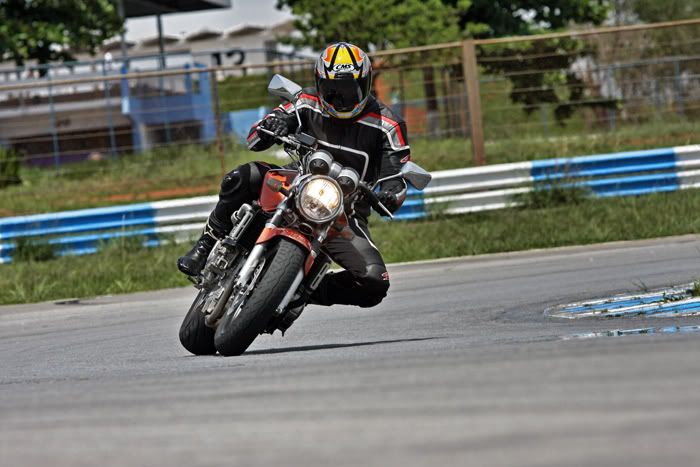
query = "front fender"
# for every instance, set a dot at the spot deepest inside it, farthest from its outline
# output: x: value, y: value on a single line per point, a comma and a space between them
x: 269, y: 233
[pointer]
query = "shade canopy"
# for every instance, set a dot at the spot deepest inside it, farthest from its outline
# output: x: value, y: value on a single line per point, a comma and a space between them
x: 138, y: 8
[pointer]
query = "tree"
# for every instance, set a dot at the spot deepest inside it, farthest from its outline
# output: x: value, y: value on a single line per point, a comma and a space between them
x: 379, y: 24
x: 672, y: 49
x: 400, y: 23
x: 498, y: 18
x: 648, y: 11
x: 52, y: 30
x: 488, y: 18
x: 376, y: 24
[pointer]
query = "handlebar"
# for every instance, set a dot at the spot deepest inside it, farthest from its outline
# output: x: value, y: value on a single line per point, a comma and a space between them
x: 363, y: 187
x: 374, y: 200
x: 280, y: 139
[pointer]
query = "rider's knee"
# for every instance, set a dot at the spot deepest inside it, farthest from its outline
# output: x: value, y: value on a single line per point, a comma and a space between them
x: 233, y: 180
x: 239, y: 179
x: 375, y: 285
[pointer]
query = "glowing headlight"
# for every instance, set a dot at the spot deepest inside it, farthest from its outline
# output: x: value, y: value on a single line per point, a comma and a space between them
x: 320, y: 199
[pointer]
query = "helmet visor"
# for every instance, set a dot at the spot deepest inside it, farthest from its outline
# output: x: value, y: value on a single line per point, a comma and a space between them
x: 342, y: 93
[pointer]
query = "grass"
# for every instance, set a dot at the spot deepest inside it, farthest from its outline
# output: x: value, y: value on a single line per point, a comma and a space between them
x: 453, y: 153
x: 191, y: 170
x: 553, y: 196
x: 118, y: 268
x: 591, y: 221
x: 695, y: 290
x: 27, y: 249
x: 169, y: 172
x: 123, y: 267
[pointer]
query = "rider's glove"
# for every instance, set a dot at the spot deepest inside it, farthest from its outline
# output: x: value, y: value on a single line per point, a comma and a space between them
x: 389, y: 200
x: 392, y: 194
x: 275, y: 124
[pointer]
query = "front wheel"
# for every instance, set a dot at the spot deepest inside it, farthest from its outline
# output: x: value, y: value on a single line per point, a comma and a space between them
x: 195, y: 335
x: 237, y: 330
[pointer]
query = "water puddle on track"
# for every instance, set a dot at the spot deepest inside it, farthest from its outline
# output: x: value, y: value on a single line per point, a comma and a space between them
x: 634, y: 332
x: 666, y: 303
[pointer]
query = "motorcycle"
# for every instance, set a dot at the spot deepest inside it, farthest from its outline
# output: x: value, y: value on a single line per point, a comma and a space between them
x: 274, y: 255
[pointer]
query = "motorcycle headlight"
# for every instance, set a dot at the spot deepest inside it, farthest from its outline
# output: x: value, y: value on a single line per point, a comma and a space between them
x: 348, y: 180
x: 320, y: 199
x: 319, y: 163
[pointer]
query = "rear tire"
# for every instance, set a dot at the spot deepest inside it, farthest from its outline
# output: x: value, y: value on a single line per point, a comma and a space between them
x: 234, y: 335
x: 195, y: 335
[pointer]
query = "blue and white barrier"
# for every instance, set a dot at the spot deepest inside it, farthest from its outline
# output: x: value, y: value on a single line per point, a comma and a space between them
x: 82, y: 231
x: 450, y: 192
x: 620, y: 174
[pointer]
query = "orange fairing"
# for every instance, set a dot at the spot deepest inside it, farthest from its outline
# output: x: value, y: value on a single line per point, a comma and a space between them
x: 272, y: 232
x: 269, y: 197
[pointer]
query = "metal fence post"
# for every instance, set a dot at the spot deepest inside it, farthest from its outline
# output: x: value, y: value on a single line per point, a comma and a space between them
x: 217, y: 119
x: 54, y: 131
x: 678, y: 87
x: 110, y: 120
x: 545, y: 120
x: 471, y: 80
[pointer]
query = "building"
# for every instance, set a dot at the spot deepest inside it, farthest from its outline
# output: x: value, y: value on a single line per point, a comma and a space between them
x: 56, y: 124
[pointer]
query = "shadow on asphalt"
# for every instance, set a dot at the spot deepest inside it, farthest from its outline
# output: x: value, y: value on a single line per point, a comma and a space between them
x: 306, y: 348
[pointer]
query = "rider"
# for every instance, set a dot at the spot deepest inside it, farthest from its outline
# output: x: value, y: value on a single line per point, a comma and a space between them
x: 360, y: 132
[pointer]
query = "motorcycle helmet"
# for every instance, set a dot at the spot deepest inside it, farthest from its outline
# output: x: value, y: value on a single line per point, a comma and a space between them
x: 343, y: 79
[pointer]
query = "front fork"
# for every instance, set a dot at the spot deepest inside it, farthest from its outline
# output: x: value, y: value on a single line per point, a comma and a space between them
x: 314, y: 267
x: 259, y: 249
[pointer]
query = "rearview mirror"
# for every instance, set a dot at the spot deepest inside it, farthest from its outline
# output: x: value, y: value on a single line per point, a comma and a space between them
x: 282, y: 87
x: 415, y: 175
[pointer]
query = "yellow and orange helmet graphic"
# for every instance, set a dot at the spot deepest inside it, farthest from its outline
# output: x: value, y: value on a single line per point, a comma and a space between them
x: 343, y: 58
x: 343, y: 79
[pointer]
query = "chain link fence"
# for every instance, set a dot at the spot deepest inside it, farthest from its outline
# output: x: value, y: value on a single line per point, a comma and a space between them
x: 639, y: 79
x: 108, y: 133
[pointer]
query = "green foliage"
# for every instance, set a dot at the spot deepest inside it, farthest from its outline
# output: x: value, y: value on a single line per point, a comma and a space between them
x: 169, y: 172
x: 243, y: 92
x: 695, y: 291
x: 652, y: 11
x: 376, y: 24
x: 250, y: 91
x: 403, y: 23
x: 51, y: 30
x: 32, y: 250
x: 541, y: 73
x: 667, y: 41
x: 9, y: 167
x: 488, y: 18
x: 114, y: 270
x: 390, y: 23
x: 592, y: 221
x: 552, y: 196
x: 161, y: 173
x: 123, y: 245
x: 555, y: 84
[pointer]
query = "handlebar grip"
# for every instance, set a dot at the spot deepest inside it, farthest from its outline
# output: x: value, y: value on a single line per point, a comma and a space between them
x: 374, y: 201
x: 278, y: 139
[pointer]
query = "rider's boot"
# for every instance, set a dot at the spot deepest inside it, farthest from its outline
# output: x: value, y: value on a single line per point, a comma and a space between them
x: 293, y: 312
x: 194, y: 260
x: 294, y: 309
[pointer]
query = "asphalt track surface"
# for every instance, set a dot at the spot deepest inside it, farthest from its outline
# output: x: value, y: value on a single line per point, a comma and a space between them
x: 458, y: 366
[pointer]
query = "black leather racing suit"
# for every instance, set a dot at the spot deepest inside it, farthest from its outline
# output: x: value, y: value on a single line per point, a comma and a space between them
x: 375, y: 144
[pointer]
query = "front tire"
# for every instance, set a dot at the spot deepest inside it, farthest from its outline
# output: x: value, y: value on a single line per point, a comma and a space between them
x: 195, y: 335
x: 236, y: 332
